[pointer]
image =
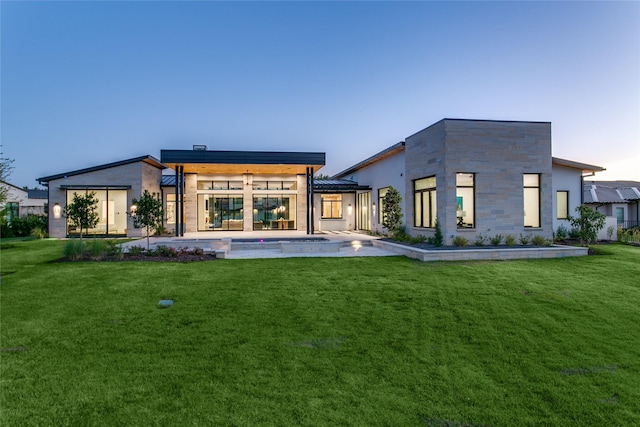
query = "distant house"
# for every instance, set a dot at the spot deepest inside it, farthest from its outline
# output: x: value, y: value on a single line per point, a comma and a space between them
x: 478, y: 177
x: 617, y: 199
x: 21, y: 203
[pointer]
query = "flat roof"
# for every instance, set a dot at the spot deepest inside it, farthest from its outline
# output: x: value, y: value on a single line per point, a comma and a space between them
x: 236, y: 162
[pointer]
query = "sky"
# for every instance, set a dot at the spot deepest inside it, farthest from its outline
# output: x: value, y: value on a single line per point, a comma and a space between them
x: 88, y: 83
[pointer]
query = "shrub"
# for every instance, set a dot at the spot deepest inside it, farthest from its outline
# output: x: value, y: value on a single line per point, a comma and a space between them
x: 610, y: 231
x: 163, y: 250
x: 562, y: 233
x: 136, y: 250
x: 438, y: 239
x: 540, y: 241
x: 113, y: 249
x: 525, y: 239
x: 73, y: 249
x: 96, y: 248
x: 480, y: 240
x: 574, y: 233
x: 496, y: 240
x: 38, y: 233
x: 460, y: 241
x: 510, y: 240
x: 589, y: 222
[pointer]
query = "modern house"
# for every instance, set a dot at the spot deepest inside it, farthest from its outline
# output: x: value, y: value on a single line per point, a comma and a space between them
x: 21, y: 202
x: 477, y: 177
x: 618, y: 199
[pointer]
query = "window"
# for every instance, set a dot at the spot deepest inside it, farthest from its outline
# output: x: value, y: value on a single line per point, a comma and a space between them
x: 465, y: 200
x: 170, y: 209
x: 562, y: 204
x: 219, y: 185
x: 381, y: 193
x: 274, y: 185
x: 220, y: 212
x: 331, y: 206
x: 12, y: 210
x: 274, y: 212
x: 531, y: 196
x: 424, y: 198
x: 620, y: 216
x: 111, y: 209
x: 364, y: 218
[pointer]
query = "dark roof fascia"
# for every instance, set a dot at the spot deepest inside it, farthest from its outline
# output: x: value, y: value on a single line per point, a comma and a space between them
x: 340, y: 188
x: 242, y: 157
x: 576, y: 165
x: 95, y: 187
x: 371, y: 160
x: 147, y: 159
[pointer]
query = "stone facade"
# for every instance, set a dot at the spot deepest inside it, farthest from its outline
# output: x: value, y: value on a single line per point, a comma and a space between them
x: 498, y: 153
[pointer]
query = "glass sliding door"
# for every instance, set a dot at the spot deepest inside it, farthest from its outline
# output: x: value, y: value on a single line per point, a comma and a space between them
x: 274, y: 212
x: 111, y: 209
x: 220, y: 213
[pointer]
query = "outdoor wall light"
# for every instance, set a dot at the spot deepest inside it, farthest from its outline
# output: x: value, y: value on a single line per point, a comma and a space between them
x: 349, y: 209
x: 132, y: 210
x: 57, y: 211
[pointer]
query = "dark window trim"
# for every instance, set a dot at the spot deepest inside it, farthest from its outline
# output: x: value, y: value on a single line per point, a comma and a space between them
x: 421, y: 194
x: 567, y: 204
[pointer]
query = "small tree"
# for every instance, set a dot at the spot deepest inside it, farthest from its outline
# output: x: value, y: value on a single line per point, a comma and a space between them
x: 5, y: 171
x: 392, y: 210
x: 82, y: 212
x: 438, y: 238
x: 588, y: 223
x: 148, y: 213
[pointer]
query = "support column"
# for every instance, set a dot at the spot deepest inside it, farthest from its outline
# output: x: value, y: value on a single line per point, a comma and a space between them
x: 177, y: 207
x: 312, y: 202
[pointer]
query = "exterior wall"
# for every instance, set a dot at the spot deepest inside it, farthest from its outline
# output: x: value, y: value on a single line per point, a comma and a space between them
x: 498, y: 153
x: 301, y: 203
x: 15, y: 195
x: 140, y: 176
x: 348, y: 220
x: 387, y: 172
x: 566, y: 179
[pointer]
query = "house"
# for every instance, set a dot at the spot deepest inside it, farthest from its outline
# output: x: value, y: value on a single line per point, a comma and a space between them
x: 615, y: 199
x: 477, y: 177
x: 21, y: 202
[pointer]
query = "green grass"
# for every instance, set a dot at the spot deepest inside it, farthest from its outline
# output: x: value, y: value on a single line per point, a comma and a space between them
x: 342, y: 341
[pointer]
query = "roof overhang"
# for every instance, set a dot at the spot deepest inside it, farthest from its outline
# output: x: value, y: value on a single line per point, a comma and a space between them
x: 387, y: 152
x: 150, y: 160
x: 584, y: 167
x: 239, y: 162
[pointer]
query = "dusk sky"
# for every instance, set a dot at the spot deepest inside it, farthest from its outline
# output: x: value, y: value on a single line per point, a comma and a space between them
x: 87, y: 83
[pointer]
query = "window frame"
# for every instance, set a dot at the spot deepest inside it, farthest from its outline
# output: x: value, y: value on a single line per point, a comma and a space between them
x: 331, y: 203
x: 524, y: 201
x: 459, y: 222
x: 565, y: 203
x: 432, y: 204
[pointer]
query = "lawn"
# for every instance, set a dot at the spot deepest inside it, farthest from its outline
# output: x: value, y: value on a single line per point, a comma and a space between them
x: 319, y: 341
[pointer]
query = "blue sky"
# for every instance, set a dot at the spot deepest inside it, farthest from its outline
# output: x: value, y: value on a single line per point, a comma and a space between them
x: 86, y: 83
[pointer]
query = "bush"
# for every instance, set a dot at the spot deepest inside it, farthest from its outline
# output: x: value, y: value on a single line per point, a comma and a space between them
x: 163, y: 250
x: 496, y: 240
x: 38, y: 233
x: 460, y: 241
x: 510, y: 240
x: 73, y: 249
x: 574, y: 233
x: 480, y: 240
x: 540, y: 241
x: 589, y: 222
x: 96, y: 248
x: 562, y: 233
x: 135, y: 250
x: 438, y: 239
x: 525, y: 239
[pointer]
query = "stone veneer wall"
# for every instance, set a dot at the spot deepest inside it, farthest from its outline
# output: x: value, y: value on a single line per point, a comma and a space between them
x: 499, y: 153
x: 140, y: 176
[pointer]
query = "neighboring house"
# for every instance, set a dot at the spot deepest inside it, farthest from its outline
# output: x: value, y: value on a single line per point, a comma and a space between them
x: 21, y: 203
x: 615, y: 199
x: 478, y: 177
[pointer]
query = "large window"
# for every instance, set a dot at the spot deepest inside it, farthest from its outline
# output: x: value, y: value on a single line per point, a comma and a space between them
x: 274, y: 212
x: 331, y: 206
x: 364, y: 211
x: 562, y: 204
x: 381, y: 193
x: 424, y: 198
x: 531, y: 193
x: 111, y: 210
x: 219, y: 185
x: 274, y: 185
x: 465, y: 200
